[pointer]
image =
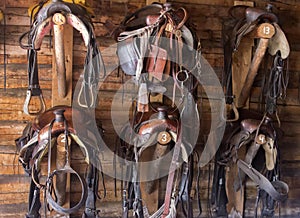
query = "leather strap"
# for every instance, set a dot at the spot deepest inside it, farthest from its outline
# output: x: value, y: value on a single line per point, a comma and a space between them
x: 33, y: 85
x: 277, y: 84
x: 170, y: 181
x: 54, y: 204
x: 185, y: 188
x: 92, y: 188
x: 278, y: 190
x: 34, y: 199
x: 251, y: 153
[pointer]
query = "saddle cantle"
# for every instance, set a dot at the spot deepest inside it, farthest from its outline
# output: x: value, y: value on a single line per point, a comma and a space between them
x: 252, y: 14
x: 250, y: 125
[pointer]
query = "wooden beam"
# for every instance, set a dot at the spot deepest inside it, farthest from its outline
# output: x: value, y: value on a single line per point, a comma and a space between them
x: 246, y: 3
x: 149, y: 2
x: 57, y: 99
x: 241, y: 62
x: 68, y: 49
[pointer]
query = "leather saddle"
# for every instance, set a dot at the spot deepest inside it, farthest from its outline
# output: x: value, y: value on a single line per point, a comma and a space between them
x: 252, y: 14
x: 137, y: 31
x: 38, y: 139
x: 36, y: 134
x: 242, y: 21
x: 247, y: 18
x: 254, y: 132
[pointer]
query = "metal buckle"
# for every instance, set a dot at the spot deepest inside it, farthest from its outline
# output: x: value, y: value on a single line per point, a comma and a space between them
x: 169, y: 27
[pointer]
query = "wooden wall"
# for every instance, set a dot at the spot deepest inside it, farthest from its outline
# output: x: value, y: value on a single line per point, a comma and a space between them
x: 207, y: 17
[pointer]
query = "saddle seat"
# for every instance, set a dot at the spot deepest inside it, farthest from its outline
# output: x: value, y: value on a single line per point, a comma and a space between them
x: 61, y: 118
x: 45, y: 118
x: 159, y: 122
x: 58, y: 7
x: 63, y: 115
x: 250, y: 125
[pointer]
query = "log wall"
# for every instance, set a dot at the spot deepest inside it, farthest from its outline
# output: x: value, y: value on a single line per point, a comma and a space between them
x: 207, y: 17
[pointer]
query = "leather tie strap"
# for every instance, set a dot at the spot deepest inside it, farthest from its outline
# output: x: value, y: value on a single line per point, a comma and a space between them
x: 173, y: 167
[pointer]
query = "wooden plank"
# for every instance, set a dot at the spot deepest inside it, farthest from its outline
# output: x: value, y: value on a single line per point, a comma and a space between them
x: 246, y: 3
x: 240, y: 64
x: 57, y: 98
x: 204, y: 2
x: 20, y: 3
x: 68, y: 46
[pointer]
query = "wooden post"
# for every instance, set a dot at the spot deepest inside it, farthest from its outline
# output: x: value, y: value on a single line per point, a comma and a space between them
x: 241, y: 61
x: 149, y: 2
x: 68, y: 50
x: 59, y: 20
x: 66, y: 99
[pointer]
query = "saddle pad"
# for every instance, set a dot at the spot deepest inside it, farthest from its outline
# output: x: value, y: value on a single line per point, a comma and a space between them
x: 279, y: 42
x: 128, y: 56
x: 270, y: 153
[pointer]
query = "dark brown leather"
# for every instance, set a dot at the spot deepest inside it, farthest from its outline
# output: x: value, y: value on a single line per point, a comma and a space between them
x: 173, y: 113
x: 158, y: 125
x: 157, y: 57
x: 250, y: 125
x: 252, y: 14
x: 238, y: 11
x: 152, y: 19
x: 42, y: 122
x: 45, y: 118
x: 138, y: 19
x: 159, y: 122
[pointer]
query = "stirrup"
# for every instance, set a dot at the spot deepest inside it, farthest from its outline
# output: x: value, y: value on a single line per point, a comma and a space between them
x: 236, y: 114
x: 27, y: 103
x: 82, y: 94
